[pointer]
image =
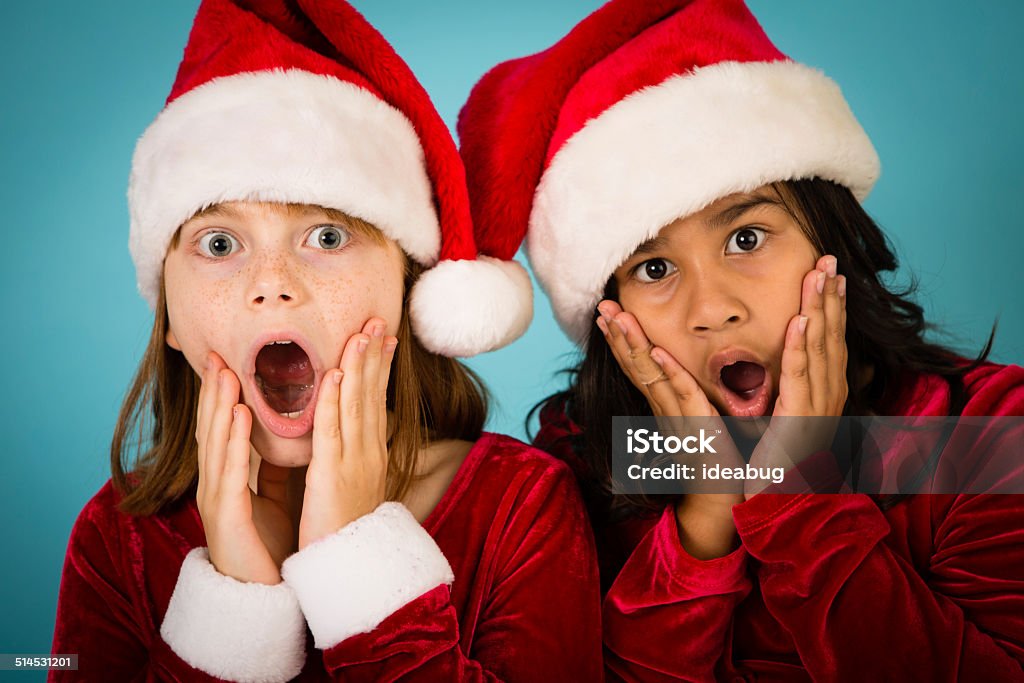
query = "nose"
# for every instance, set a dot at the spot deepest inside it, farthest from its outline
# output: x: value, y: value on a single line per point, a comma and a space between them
x: 274, y: 281
x: 713, y: 304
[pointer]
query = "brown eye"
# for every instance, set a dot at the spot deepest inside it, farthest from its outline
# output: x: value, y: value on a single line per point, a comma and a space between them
x: 328, y: 237
x: 218, y: 244
x: 745, y: 239
x: 654, y: 270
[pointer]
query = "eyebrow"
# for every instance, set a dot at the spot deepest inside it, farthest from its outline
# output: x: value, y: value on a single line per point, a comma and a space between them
x: 215, y: 211
x: 719, y: 220
x: 650, y: 246
x: 730, y: 214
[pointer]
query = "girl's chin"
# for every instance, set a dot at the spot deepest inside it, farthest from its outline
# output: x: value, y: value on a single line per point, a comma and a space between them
x: 280, y: 451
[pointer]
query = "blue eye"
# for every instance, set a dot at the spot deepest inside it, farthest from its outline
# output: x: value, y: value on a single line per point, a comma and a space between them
x: 745, y: 240
x: 653, y: 270
x: 218, y: 244
x: 329, y: 237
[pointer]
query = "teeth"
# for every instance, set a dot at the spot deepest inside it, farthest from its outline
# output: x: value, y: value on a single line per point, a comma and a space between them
x: 293, y: 415
x: 284, y: 341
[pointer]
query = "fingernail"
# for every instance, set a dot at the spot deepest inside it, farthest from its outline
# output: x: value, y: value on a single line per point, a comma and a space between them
x: 802, y: 324
x: 830, y: 266
x: 841, y: 286
x: 390, y: 346
x: 220, y: 378
x: 602, y: 325
x: 820, y: 283
x: 336, y: 376
x: 363, y: 343
x: 622, y: 328
x: 378, y: 330
x: 656, y: 357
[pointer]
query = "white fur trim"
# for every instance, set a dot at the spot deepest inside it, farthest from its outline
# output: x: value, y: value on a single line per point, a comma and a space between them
x: 462, y: 308
x: 278, y: 136
x: 351, y: 581
x: 233, y: 630
x: 668, y: 151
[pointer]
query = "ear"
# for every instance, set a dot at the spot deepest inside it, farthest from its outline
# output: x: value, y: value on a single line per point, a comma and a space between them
x: 172, y: 341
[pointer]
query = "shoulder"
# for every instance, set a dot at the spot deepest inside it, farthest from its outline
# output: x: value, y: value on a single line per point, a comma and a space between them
x: 100, y: 512
x: 102, y: 526
x: 995, y: 390
x: 503, y: 476
x: 991, y: 390
x: 505, y: 455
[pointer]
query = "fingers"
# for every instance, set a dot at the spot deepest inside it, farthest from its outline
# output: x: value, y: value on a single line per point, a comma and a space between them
x: 668, y: 386
x: 632, y: 351
x: 208, y: 396
x: 218, y: 434
x: 814, y: 309
x: 351, y: 412
x: 236, y: 465
x: 327, y: 420
x: 794, y: 380
x: 691, y: 398
x: 352, y: 405
x: 813, y: 380
x: 376, y: 371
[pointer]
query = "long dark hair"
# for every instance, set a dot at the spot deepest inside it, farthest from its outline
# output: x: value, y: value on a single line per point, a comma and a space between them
x: 884, y: 335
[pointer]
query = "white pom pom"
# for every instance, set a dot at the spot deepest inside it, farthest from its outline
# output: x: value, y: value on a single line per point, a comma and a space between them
x: 462, y: 308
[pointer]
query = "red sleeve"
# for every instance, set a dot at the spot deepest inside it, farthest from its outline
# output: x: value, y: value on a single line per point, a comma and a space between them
x: 851, y: 604
x: 857, y: 611
x: 97, y: 617
x: 668, y: 616
x: 540, y: 621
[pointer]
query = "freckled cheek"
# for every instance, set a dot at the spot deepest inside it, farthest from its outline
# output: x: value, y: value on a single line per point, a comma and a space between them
x: 352, y: 302
x: 200, y: 319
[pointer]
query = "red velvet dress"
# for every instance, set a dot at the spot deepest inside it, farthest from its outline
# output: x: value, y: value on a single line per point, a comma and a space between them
x: 827, y: 587
x: 520, y: 601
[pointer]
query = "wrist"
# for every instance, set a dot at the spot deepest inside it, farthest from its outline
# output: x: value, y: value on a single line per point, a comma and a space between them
x: 706, y: 527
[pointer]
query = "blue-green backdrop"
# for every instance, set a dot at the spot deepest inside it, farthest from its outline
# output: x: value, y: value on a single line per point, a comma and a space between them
x: 939, y: 87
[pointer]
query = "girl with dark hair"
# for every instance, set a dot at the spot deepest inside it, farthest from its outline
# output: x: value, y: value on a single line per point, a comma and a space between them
x: 301, y: 486
x: 674, y: 172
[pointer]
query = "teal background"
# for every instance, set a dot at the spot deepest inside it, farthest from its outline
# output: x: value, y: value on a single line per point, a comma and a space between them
x: 939, y: 90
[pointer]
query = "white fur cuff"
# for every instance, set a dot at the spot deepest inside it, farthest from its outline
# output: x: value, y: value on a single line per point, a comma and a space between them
x: 234, y: 630
x: 349, y: 582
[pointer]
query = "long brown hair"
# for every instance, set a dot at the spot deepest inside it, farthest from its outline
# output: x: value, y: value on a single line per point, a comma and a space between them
x: 154, y: 454
x: 884, y: 337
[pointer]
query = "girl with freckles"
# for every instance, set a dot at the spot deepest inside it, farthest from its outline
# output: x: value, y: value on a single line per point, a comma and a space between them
x: 690, y: 198
x: 301, y: 486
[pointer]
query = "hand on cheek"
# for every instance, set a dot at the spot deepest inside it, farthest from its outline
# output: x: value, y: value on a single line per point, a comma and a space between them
x: 668, y: 387
x: 812, y: 386
x: 239, y: 525
x: 704, y: 520
x: 813, y: 378
x: 347, y: 475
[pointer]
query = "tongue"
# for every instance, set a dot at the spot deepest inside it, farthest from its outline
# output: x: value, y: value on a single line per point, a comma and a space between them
x: 284, y: 364
x: 286, y: 375
x: 742, y: 376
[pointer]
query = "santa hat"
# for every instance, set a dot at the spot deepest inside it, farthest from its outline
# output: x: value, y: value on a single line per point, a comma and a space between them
x: 646, y: 112
x: 305, y: 102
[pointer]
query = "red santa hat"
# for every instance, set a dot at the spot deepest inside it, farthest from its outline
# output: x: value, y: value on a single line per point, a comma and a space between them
x: 646, y: 112
x: 305, y: 102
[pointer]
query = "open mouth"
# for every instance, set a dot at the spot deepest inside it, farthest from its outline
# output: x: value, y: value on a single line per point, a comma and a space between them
x: 285, y: 377
x: 746, y: 387
x: 284, y: 381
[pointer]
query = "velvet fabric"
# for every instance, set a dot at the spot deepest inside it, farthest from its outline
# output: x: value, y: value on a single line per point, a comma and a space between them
x: 525, y: 604
x: 826, y: 587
